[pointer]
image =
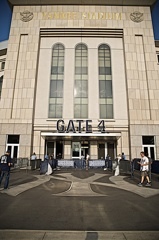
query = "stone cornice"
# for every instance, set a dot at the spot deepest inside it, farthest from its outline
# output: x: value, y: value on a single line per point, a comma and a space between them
x: 84, y: 2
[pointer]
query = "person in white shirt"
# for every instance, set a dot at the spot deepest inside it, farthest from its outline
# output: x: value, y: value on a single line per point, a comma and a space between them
x: 33, y: 156
x: 117, y: 167
x: 87, y: 161
x: 144, y: 168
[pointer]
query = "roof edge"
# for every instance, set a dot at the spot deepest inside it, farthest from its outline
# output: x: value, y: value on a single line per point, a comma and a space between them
x: 83, y: 2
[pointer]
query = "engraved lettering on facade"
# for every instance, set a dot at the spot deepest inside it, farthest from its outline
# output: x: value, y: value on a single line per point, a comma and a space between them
x: 83, y: 15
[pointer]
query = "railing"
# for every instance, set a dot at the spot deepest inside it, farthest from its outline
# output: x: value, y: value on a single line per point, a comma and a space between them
x: 80, y: 163
x: 20, y: 163
x: 125, y: 166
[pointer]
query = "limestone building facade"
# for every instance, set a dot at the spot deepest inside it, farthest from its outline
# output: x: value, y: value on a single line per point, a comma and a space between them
x: 80, y: 78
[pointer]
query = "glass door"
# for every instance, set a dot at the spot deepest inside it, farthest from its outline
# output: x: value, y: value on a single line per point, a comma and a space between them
x: 76, y: 150
x: 59, y: 149
x: 111, y: 150
x: 148, y: 146
x: 84, y: 149
x: 13, y: 145
x: 149, y: 151
x: 101, y: 150
x: 50, y: 148
x: 14, y: 150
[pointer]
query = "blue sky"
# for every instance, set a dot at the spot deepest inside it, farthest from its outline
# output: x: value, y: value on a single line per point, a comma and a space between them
x: 155, y: 18
x: 5, y: 20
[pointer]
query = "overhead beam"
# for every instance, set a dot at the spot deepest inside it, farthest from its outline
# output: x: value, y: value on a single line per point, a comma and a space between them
x: 84, y: 2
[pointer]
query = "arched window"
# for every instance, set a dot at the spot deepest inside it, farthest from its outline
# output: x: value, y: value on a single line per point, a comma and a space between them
x: 105, y: 82
x: 1, y: 82
x: 81, y: 82
x: 56, y: 82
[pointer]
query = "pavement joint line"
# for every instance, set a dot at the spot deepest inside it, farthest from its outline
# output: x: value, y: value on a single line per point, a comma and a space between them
x: 124, y: 236
x: 44, y: 235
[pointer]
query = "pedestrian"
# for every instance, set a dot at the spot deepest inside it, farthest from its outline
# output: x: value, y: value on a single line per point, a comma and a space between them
x: 144, y: 168
x: 132, y: 168
x: 87, y: 161
x: 46, y: 157
x: 123, y: 156
x: 49, y: 169
x: 107, y: 162
x: 33, y: 156
x: 33, y: 161
x: 82, y: 161
x: 5, y: 164
x: 117, y: 167
x: 150, y: 163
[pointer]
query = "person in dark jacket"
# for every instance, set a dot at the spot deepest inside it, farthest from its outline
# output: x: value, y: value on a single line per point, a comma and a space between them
x: 5, y: 163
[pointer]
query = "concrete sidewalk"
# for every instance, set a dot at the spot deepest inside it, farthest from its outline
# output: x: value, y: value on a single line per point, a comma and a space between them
x: 77, y: 235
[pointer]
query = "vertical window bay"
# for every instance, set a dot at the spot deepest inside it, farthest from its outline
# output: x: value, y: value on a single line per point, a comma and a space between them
x: 105, y: 82
x: 81, y: 82
x: 56, y: 82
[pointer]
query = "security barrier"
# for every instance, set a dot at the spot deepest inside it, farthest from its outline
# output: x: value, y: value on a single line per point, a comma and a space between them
x: 155, y: 167
x: 20, y: 162
x: 80, y: 163
x: 35, y: 164
x: 65, y: 163
x: 96, y: 163
x: 125, y: 166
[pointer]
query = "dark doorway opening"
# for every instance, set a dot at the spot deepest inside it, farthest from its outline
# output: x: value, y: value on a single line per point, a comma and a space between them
x: 59, y: 149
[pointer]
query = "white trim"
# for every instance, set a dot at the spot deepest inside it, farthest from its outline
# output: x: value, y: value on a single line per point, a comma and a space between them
x: 12, y: 145
x: 95, y: 134
x: 149, y: 149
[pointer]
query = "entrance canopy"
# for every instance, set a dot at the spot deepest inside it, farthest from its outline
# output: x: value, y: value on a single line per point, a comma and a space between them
x: 90, y: 136
x: 84, y: 2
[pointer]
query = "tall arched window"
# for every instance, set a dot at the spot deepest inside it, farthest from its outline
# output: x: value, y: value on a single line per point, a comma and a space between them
x: 56, y: 82
x: 1, y: 82
x: 105, y: 82
x: 81, y: 82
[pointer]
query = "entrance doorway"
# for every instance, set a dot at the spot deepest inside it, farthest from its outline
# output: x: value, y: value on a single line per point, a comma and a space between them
x: 79, y: 152
x: 13, y: 145
x: 80, y: 149
x: 14, y: 150
x: 101, y: 150
x: 59, y: 149
x: 149, y: 146
x: 106, y: 148
x: 50, y: 148
x: 54, y: 148
x: 149, y: 151
x: 84, y: 149
x: 111, y: 150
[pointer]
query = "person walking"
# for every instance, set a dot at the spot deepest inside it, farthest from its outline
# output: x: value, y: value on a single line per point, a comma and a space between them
x: 117, y: 167
x: 87, y: 161
x: 144, y: 168
x: 107, y: 162
x: 5, y: 163
x: 33, y: 161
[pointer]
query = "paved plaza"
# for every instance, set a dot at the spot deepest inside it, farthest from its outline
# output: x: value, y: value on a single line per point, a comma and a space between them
x: 78, y: 204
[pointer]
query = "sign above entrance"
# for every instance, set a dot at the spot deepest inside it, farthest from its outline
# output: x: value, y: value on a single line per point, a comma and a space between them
x: 82, y: 15
x: 81, y: 126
